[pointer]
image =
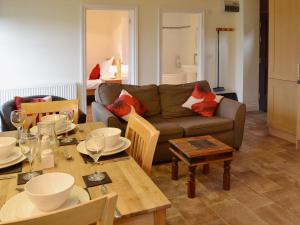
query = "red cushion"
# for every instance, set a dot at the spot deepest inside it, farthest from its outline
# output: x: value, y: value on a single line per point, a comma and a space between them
x: 95, y: 73
x: 126, y: 104
x: 19, y: 100
x: 203, y: 101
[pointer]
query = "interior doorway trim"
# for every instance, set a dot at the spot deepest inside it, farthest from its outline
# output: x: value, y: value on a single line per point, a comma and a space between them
x: 133, y: 44
x: 200, y: 41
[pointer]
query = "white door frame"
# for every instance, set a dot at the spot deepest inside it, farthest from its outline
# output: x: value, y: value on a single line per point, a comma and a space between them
x: 133, y: 44
x: 200, y: 42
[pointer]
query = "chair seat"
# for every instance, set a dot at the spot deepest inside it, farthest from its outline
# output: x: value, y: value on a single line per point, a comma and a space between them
x: 168, y: 130
x: 197, y: 125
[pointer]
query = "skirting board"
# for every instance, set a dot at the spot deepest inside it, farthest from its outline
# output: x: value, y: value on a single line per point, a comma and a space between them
x: 252, y: 107
x: 283, y: 135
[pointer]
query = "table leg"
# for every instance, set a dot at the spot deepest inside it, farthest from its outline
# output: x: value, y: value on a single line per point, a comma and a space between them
x: 174, y: 168
x: 226, y: 175
x: 191, y: 182
x: 205, y: 169
x: 160, y: 217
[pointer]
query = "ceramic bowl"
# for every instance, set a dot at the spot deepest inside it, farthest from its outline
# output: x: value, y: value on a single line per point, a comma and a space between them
x: 111, y: 134
x: 7, y: 144
x: 58, y: 119
x: 49, y: 191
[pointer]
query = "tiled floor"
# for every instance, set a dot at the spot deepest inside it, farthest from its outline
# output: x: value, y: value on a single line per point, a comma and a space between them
x: 265, y: 185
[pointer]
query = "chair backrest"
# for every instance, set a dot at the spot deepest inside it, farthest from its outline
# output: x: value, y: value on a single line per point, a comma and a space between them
x: 39, y: 109
x: 143, y: 136
x: 100, y: 210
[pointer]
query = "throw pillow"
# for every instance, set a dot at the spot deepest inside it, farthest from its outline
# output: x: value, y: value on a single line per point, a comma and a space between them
x: 125, y: 105
x: 19, y: 100
x: 95, y: 73
x: 203, y: 101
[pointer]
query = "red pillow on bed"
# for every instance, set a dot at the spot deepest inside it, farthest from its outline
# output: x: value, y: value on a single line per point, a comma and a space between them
x: 125, y: 105
x: 95, y: 73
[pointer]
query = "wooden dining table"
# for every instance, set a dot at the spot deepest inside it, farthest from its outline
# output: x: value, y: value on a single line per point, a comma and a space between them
x: 140, y: 201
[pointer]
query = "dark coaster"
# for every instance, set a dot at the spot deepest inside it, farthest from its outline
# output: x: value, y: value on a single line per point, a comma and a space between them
x: 73, y: 142
x: 12, y: 169
x: 88, y: 159
x: 200, y: 144
x: 88, y: 183
x: 22, y: 181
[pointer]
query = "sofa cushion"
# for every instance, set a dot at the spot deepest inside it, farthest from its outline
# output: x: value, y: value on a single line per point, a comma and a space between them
x: 168, y: 130
x: 196, y: 125
x: 173, y: 96
x: 148, y: 94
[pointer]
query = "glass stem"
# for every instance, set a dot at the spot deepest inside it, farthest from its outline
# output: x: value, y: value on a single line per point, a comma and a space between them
x: 19, y: 133
x: 66, y: 132
x: 30, y: 167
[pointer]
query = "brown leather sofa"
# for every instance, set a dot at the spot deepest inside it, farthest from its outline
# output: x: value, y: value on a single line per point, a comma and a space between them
x: 173, y: 121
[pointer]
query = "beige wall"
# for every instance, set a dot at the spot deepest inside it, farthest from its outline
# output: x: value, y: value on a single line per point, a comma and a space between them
x: 106, y: 36
x: 251, y: 54
x: 41, y: 40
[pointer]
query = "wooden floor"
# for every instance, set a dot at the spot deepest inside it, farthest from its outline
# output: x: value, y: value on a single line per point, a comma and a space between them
x: 265, y: 187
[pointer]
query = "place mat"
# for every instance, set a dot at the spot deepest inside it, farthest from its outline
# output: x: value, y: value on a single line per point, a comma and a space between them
x: 88, y: 159
x: 73, y: 142
x: 22, y: 181
x: 200, y: 144
x: 12, y: 169
x: 89, y: 183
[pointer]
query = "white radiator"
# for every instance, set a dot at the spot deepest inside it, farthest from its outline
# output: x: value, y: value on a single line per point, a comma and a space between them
x: 68, y: 91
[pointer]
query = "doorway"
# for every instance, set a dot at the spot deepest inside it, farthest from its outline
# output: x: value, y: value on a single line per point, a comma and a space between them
x: 109, y: 48
x: 263, y: 55
x: 181, y: 47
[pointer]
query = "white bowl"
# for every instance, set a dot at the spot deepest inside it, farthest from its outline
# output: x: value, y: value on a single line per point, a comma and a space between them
x: 7, y: 144
x: 58, y: 119
x: 49, y: 191
x: 111, y: 134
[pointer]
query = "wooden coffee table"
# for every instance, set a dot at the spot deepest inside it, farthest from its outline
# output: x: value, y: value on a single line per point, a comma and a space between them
x: 201, y: 150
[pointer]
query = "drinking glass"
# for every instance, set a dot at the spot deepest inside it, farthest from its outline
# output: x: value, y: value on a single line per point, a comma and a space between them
x: 29, y: 148
x: 69, y: 114
x: 95, y: 145
x: 46, y: 135
x: 18, y: 118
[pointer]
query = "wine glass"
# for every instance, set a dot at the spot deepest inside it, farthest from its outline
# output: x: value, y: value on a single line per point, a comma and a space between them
x: 29, y: 148
x: 95, y: 145
x: 69, y: 117
x: 18, y: 118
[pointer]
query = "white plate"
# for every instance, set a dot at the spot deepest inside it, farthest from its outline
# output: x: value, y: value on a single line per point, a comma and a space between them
x: 18, y: 160
x: 72, y: 126
x: 16, y: 154
x: 20, y: 207
x: 125, y: 144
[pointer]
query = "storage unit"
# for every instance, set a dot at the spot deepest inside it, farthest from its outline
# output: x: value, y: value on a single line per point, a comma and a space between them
x: 284, y: 59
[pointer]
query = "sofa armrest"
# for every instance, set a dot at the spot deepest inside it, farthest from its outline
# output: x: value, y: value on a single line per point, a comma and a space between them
x: 237, y: 112
x: 102, y: 114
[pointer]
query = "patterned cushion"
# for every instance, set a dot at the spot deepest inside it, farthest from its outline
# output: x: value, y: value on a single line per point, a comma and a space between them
x: 203, y: 101
x: 126, y: 104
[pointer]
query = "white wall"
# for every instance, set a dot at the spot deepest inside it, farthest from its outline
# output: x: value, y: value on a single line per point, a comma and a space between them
x: 106, y: 36
x: 40, y: 41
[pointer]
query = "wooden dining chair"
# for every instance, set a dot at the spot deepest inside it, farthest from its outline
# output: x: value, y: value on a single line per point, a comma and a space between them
x: 99, y: 210
x: 37, y: 110
x: 143, y: 136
